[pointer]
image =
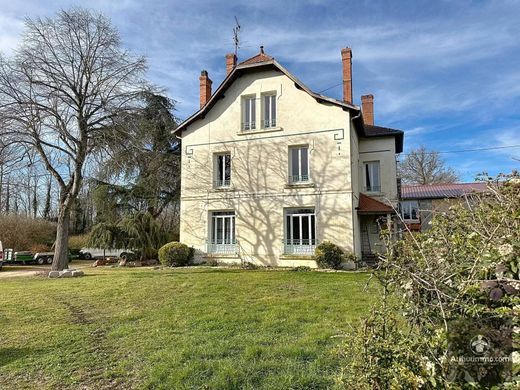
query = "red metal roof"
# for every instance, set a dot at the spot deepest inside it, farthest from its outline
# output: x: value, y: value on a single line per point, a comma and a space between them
x: 371, y: 205
x: 437, y: 191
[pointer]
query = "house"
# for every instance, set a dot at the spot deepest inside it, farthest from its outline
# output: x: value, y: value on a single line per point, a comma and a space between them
x: 420, y: 202
x: 271, y: 168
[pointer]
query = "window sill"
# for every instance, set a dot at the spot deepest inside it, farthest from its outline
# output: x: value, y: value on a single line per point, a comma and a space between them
x: 301, y: 185
x: 260, y: 131
x: 223, y: 189
x: 411, y: 221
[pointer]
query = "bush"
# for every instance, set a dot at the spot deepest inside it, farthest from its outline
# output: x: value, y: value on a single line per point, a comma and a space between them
x: 329, y: 255
x: 175, y: 254
x: 21, y: 233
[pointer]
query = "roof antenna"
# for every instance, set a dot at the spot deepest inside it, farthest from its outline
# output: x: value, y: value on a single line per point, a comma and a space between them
x: 236, y: 39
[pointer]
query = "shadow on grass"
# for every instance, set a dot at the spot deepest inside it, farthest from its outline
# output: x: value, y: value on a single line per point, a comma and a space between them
x: 9, y: 355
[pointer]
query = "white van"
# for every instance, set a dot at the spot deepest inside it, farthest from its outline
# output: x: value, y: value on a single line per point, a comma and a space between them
x: 92, y: 253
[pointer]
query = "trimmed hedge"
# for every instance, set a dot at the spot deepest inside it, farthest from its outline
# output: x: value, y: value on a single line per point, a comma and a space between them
x: 175, y: 254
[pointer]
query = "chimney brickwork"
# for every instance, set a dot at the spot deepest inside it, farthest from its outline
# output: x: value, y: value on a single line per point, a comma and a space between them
x: 367, y: 107
x: 205, y: 88
x: 346, y: 59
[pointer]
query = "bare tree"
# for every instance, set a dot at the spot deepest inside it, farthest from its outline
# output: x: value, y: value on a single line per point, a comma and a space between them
x: 61, y: 93
x: 423, y: 166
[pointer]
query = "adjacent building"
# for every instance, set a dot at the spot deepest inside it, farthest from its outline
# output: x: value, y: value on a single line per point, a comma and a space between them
x: 271, y: 168
x: 420, y: 202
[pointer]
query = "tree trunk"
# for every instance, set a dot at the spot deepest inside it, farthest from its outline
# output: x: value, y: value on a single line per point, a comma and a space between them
x: 61, y: 248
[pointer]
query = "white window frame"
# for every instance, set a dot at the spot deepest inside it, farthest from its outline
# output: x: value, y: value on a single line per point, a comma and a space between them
x: 269, y: 115
x: 369, y: 167
x: 222, y: 241
x: 249, y: 124
x: 408, y: 205
x: 300, y: 177
x: 219, y: 175
x: 300, y: 245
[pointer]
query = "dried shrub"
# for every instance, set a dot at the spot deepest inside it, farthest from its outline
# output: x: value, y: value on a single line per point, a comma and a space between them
x: 22, y: 233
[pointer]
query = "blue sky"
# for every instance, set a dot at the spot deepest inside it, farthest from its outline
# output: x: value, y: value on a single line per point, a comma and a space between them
x: 446, y: 72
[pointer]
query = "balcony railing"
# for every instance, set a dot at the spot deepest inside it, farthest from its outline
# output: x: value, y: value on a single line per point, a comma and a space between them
x: 222, y: 183
x: 248, y: 126
x: 295, y: 179
x: 299, y: 246
x: 269, y: 123
x: 222, y: 247
x: 372, y: 188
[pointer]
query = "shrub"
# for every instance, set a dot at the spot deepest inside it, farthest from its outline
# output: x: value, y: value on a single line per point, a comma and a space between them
x: 249, y: 265
x: 40, y: 248
x: 301, y: 268
x: 21, y: 233
x: 175, y: 254
x: 329, y: 255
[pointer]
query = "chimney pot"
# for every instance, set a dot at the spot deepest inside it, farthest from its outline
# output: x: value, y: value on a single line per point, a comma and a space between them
x: 261, y: 49
x: 231, y: 62
x: 367, y: 107
x: 346, y: 59
x: 205, y: 88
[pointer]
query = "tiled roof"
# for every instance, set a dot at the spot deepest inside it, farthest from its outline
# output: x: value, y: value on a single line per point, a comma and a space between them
x: 368, y: 204
x: 261, y: 57
x: 436, y: 191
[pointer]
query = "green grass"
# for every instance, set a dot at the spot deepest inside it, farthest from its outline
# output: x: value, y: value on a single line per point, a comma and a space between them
x: 177, y: 329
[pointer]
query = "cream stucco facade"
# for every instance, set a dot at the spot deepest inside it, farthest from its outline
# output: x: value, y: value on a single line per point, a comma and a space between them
x: 259, y: 194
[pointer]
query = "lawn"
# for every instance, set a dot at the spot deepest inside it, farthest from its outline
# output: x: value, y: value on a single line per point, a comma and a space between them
x: 186, y: 328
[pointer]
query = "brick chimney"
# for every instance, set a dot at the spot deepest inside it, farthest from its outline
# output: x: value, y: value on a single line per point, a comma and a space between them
x: 231, y: 62
x: 205, y: 88
x: 367, y: 107
x: 346, y: 59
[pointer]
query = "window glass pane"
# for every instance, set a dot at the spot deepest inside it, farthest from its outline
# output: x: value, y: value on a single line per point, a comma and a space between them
x: 296, y: 228
x: 313, y: 227
x: 266, y: 108
x: 375, y: 179
x: 294, y: 162
x: 247, y: 111
x: 367, y: 177
x: 273, y: 110
x: 304, y: 162
x: 253, y: 112
x: 227, y: 170
x: 219, y: 168
x: 305, y: 227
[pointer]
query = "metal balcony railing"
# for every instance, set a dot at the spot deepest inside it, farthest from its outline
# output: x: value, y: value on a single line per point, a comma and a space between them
x: 222, y: 247
x: 294, y: 179
x: 222, y: 183
x: 299, y: 246
x: 269, y: 123
x: 248, y: 126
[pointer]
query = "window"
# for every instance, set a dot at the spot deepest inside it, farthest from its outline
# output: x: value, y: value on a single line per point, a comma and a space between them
x: 298, y: 164
x: 249, y: 113
x: 269, y: 111
x: 410, y: 210
x: 222, y: 169
x: 222, y: 232
x: 300, y: 231
x: 372, y: 176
